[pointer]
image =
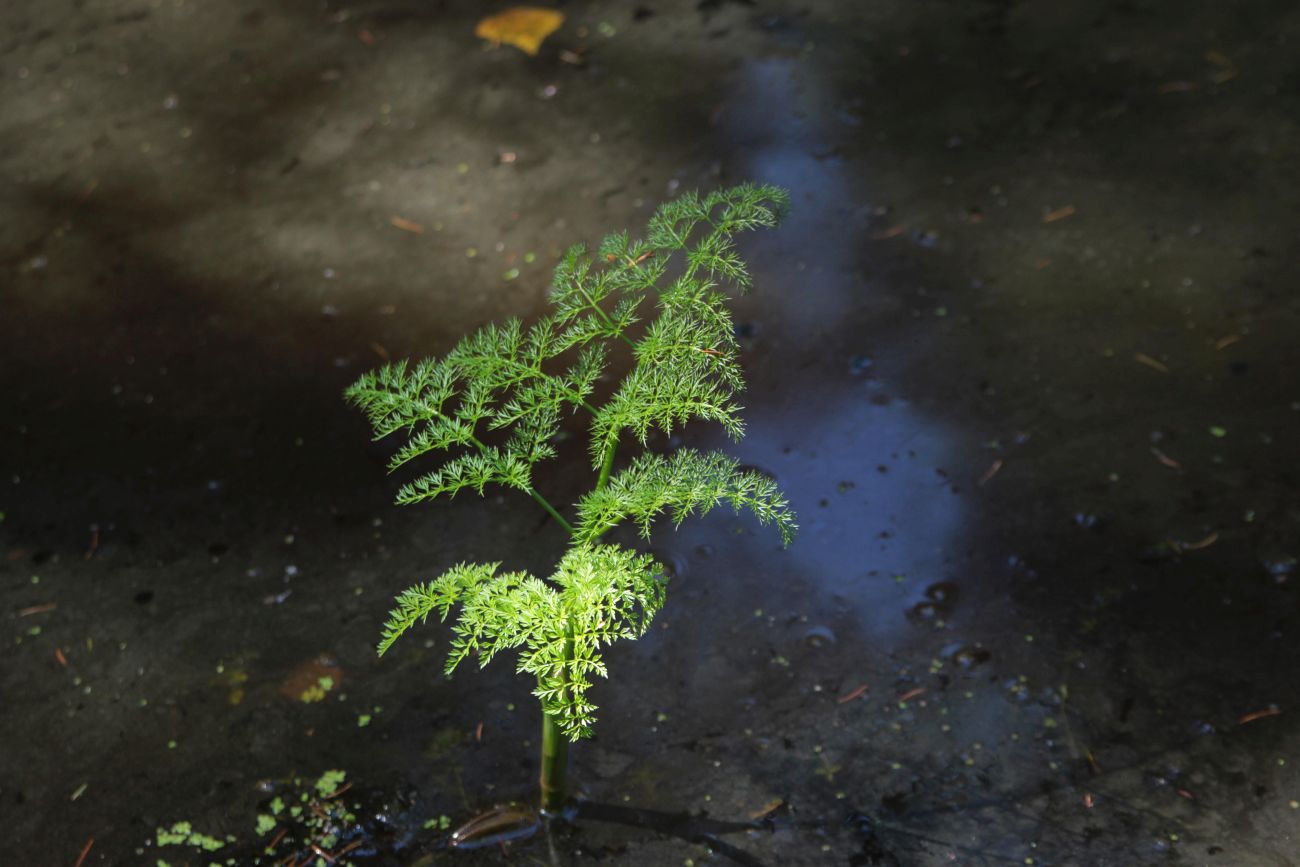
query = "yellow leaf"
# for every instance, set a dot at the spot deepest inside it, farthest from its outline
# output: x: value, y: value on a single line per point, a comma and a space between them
x: 524, y: 27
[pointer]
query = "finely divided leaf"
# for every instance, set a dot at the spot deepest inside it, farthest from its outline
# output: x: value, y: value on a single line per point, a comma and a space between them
x: 474, y: 470
x: 681, y: 484
x: 606, y: 593
x: 516, y: 383
x: 416, y: 603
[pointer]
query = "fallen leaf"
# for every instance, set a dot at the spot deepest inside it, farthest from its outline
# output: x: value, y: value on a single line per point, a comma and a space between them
x: 1059, y: 214
x: 524, y: 27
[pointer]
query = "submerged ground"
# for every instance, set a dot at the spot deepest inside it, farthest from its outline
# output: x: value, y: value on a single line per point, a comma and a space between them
x: 1024, y: 356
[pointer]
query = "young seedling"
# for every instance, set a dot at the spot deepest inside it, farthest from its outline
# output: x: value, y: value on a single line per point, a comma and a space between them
x: 495, y: 402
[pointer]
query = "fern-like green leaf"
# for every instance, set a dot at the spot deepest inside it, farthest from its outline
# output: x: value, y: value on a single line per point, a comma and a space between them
x: 598, y: 595
x: 475, y: 470
x: 681, y: 484
x: 606, y: 593
x: 511, y: 384
x: 666, y: 397
x: 415, y: 604
x: 505, y: 612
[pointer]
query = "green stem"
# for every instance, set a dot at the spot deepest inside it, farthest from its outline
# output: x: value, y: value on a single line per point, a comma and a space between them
x: 541, y: 501
x: 611, y: 445
x: 555, y: 752
x: 545, y: 504
x: 555, y: 766
x: 602, y: 314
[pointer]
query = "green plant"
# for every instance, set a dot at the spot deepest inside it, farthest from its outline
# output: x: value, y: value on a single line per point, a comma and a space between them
x: 510, y: 385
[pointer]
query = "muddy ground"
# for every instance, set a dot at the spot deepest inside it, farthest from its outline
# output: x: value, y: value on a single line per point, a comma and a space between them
x: 1024, y: 357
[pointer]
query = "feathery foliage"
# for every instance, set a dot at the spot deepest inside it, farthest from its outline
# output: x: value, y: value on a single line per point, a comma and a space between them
x: 495, y: 403
x: 684, y: 483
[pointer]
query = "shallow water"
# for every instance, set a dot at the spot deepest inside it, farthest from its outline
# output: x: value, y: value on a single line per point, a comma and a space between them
x: 1023, y: 358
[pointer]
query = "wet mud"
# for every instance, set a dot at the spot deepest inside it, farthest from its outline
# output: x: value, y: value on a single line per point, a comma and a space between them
x: 1024, y: 357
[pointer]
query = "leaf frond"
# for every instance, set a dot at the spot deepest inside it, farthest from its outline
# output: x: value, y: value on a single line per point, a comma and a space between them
x: 684, y: 483
x: 516, y: 382
x: 606, y: 593
x: 474, y: 470
x: 415, y: 604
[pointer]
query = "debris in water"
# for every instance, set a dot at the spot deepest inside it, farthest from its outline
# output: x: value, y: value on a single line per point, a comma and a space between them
x: 1271, y: 710
x: 499, y: 825
x: 85, y: 850
x: 991, y: 471
x: 857, y: 692
x: 1202, y: 543
x: 1227, y: 69
x: 407, y: 225
x: 524, y: 27
x: 860, y: 364
x: 970, y: 656
x: 312, y: 680
x: 1165, y: 459
x: 819, y: 636
x: 924, y: 611
x: 941, y: 591
x: 1143, y: 358
x: 94, y: 542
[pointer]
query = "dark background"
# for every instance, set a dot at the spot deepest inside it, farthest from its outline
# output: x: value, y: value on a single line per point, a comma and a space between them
x: 1024, y: 357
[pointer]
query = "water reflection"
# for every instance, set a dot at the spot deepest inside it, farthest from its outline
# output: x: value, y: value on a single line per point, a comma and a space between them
x: 878, y: 522
x: 858, y: 462
x: 773, y: 125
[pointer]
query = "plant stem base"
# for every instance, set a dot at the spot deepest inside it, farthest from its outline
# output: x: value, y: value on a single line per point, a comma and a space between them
x: 555, y: 767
